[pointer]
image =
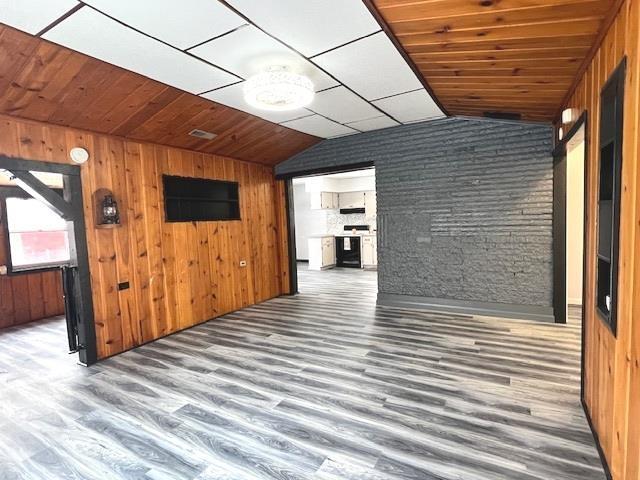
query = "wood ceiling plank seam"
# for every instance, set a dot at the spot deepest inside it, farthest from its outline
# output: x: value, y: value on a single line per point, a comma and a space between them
x: 32, y: 77
x: 45, y: 99
x: 371, y: 9
x: 15, y: 55
x: 482, y: 45
x: 461, y: 7
x: 558, y: 9
x: 92, y: 79
x: 120, y: 88
x: 559, y: 30
x: 147, y: 109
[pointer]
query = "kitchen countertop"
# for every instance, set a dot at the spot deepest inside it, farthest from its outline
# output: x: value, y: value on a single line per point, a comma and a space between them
x: 345, y: 234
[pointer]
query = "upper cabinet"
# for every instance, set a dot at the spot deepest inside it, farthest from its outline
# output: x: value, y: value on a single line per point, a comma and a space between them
x: 324, y: 201
x: 370, y: 204
x: 352, y: 200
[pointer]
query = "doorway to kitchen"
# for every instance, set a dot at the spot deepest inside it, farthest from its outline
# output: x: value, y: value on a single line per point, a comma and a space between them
x: 335, y: 224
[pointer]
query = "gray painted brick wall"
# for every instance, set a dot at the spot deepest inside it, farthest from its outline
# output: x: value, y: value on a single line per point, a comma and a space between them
x: 464, y: 207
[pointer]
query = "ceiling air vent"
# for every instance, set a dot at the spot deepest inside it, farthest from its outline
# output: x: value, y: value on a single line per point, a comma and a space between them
x: 202, y: 134
x: 503, y: 115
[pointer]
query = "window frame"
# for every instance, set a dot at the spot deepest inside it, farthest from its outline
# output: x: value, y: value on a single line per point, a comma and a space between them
x: 17, y: 192
x: 617, y: 80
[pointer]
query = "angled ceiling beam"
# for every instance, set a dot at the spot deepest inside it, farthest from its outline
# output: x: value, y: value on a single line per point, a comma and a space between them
x: 38, y: 190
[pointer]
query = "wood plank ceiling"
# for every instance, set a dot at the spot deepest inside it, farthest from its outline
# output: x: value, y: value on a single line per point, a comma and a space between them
x: 45, y: 82
x: 508, y: 56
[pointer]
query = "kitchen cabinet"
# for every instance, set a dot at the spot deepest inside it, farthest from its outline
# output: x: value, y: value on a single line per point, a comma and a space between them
x: 370, y: 204
x: 352, y: 200
x: 324, y: 201
x: 369, y: 251
x: 322, y: 252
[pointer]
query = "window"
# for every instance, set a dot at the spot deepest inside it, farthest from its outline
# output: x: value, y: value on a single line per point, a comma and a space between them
x: 195, y: 199
x: 38, y: 237
x: 610, y: 182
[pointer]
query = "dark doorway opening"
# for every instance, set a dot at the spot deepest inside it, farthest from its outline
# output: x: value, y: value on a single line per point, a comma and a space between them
x: 67, y: 204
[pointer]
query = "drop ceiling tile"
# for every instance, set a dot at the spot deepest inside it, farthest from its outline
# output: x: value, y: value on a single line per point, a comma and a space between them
x: 94, y: 34
x: 182, y: 24
x: 319, y: 126
x: 342, y: 105
x: 233, y: 96
x: 373, y: 67
x: 310, y: 26
x: 248, y: 51
x: 374, y: 123
x: 32, y: 16
x: 410, y: 107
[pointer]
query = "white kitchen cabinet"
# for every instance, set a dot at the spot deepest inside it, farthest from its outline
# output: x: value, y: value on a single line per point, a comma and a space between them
x: 369, y: 251
x: 324, y: 200
x: 351, y: 200
x: 370, y: 205
x: 322, y: 252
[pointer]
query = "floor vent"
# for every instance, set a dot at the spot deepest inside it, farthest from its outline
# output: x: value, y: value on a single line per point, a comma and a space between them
x: 202, y: 134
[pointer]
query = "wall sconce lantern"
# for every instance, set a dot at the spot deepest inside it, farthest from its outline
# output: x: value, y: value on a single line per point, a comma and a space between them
x: 106, y: 209
x: 110, y: 213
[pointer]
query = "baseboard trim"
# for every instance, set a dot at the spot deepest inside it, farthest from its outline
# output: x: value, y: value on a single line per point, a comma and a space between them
x: 603, y: 458
x: 441, y: 305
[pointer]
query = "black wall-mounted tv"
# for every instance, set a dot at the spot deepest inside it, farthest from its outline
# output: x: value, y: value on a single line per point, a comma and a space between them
x: 200, y: 200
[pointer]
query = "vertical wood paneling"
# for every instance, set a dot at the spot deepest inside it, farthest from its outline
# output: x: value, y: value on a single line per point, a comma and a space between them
x: 612, y: 364
x: 180, y: 274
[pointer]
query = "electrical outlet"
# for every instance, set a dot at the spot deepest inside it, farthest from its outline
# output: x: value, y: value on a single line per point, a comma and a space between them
x: 243, y: 263
x: 123, y: 286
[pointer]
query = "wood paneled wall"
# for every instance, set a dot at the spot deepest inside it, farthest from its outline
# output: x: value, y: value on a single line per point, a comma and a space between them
x: 612, y: 364
x: 180, y: 274
x: 29, y: 296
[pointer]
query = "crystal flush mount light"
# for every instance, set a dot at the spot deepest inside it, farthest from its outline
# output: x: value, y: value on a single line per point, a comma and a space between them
x: 278, y: 89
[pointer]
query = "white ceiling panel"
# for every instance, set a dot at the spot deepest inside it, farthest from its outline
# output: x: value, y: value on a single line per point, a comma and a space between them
x: 233, y: 96
x: 33, y: 15
x: 374, y: 124
x: 319, y: 126
x: 249, y: 51
x: 310, y: 26
x: 410, y: 107
x: 373, y: 67
x: 342, y: 105
x: 182, y: 24
x: 94, y: 34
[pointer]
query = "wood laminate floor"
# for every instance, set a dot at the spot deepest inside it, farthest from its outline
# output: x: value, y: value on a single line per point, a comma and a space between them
x: 322, y: 386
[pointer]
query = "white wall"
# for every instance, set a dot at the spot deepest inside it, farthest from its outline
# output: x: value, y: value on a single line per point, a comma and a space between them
x: 575, y: 222
x: 308, y: 222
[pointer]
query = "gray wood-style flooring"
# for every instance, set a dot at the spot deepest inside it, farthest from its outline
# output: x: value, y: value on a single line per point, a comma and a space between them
x: 322, y: 386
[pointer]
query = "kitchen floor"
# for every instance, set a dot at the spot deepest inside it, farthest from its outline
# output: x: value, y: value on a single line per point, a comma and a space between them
x: 323, y: 385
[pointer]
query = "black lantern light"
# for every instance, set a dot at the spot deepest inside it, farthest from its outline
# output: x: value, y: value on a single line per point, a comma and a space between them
x: 110, y: 214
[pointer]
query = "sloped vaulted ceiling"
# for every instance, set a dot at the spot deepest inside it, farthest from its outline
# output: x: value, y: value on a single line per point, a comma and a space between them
x: 508, y: 56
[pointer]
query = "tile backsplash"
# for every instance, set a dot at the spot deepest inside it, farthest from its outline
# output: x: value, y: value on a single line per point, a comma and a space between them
x: 336, y: 221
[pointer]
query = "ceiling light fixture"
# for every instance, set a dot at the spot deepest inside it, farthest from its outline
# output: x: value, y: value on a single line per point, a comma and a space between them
x: 278, y: 89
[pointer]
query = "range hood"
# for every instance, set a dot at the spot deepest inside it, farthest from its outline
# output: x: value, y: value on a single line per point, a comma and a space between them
x: 346, y: 211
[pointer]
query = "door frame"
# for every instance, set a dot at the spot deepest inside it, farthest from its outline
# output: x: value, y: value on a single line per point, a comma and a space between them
x: 72, y: 203
x: 561, y: 151
x: 291, y: 216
